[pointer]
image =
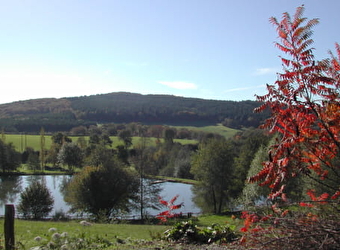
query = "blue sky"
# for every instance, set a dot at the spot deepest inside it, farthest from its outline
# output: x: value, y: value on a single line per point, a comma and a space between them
x: 211, y: 49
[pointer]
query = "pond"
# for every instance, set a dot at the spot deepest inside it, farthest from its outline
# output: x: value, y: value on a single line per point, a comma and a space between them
x: 12, y: 186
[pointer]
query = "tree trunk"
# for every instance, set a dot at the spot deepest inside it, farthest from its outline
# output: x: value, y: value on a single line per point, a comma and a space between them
x: 214, y: 199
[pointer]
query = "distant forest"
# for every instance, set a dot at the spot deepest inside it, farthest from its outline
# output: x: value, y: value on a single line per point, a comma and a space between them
x: 66, y: 113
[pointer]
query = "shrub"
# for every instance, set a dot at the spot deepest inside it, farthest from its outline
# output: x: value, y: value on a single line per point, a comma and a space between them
x: 36, y: 201
x: 188, y: 232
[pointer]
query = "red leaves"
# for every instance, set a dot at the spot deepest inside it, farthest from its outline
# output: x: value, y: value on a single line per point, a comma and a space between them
x: 322, y: 198
x: 304, y: 204
x: 163, y: 216
x: 163, y: 202
x: 164, y: 213
x: 173, y: 199
x: 308, y: 130
x: 249, y: 219
x: 336, y: 195
x: 176, y: 206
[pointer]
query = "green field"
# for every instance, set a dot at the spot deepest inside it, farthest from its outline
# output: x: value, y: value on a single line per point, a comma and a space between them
x: 26, y: 233
x: 21, y: 141
x: 120, y: 236
x: 217, y: 129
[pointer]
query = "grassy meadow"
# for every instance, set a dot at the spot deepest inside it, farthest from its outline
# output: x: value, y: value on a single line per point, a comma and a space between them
x: 29, y: 234
x: 21, y: 141
x: 217, y: 129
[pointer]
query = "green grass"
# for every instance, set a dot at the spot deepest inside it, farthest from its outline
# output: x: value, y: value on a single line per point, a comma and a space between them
x: 133, y: 235
x: 181, y: 180
x: 208, y: 220
x: 26, y: 231
x: 217, y: 129
x: 20, y: 142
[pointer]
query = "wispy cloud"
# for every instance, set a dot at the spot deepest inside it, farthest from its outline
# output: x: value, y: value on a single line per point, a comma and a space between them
x: 265, y: 71
x: 179, y: 84
x: 244, y: 88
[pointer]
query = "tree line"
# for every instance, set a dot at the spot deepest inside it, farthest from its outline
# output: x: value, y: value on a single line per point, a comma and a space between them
x: 64, y: 114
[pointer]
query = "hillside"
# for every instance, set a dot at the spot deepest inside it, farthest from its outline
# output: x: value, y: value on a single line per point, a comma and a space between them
x: 121, y: 107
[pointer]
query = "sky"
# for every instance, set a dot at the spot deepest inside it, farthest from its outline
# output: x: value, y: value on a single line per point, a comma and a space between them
x: 211, y: 49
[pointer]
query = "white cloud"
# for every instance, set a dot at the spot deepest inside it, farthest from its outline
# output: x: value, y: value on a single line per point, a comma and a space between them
x: 265, y: 71
x: 179, y: 84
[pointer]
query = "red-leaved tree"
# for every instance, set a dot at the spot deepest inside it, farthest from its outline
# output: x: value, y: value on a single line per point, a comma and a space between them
x: 163, y: 216
x: 305, y: 111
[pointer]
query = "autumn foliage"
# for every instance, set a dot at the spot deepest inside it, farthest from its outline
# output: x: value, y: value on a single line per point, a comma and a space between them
x: 305, y: 110
x: 305, y: 114
x: 169, y: 212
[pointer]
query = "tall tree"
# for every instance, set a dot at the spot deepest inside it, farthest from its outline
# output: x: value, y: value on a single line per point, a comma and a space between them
x: 148, y: 192
x: 58, y: 139
x: 126, y: 137
x: 169, y: 135
x: 212, y: 166
x: 305, y: 110
x: 247, y: 144
x: 71, y: 155
x: 10, y: 159
x: 3, y: 135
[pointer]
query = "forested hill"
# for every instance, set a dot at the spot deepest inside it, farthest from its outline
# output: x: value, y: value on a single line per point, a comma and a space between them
x: 121, y: 107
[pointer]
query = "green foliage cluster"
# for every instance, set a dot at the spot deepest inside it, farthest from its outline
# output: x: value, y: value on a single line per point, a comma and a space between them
x: 102, y: 191
x: 220, y: 166
x: 212, y: 166
x: 9, y: 157
x: 36, y: 201
x: 189, y: 232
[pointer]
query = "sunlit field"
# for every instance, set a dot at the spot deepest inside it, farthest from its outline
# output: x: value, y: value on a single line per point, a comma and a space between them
x: 21, y: 141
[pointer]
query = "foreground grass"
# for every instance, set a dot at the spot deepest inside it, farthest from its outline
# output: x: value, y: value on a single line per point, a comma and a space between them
x: 208, y: 220
x: 98, y: 236
x: 115, y: 234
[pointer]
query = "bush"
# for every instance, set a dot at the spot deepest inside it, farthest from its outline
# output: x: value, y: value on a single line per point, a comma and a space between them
x: 36, y: 201
x: 188, y: 232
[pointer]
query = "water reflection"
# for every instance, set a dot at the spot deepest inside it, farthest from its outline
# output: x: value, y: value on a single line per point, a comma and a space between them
x: 12, y: 186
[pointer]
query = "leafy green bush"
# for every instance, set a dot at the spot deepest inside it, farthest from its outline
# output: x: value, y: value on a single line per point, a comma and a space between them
x: 36, y: 201
x: 188, y: 232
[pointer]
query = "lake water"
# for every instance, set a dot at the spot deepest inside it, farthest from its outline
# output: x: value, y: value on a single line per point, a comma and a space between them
x: 12, y: 186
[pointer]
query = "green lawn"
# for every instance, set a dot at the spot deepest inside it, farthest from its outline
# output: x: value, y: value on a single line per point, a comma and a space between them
x: 21, y: 141
x: 217, y: 129
x: 120, y: 236
x: 27, y: 231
